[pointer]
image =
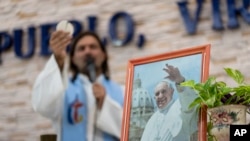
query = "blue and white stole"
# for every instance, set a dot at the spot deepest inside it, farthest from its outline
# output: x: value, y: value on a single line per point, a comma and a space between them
x: 75, y: 112
x: 75, y: 119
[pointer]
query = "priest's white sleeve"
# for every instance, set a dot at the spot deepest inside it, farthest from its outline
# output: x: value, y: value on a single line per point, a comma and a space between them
x: 109, y: 118
x: 48, y: 90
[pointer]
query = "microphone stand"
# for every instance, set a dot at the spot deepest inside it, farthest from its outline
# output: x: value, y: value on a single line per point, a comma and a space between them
x: 92, y: 78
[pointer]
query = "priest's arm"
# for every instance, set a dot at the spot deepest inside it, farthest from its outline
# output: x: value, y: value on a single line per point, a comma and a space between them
x: 47, y: 94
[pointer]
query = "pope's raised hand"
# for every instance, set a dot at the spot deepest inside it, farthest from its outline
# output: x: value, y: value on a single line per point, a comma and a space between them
x: 173, y: 74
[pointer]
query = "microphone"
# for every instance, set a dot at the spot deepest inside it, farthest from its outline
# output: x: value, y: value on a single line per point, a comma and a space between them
x: 91, y: 68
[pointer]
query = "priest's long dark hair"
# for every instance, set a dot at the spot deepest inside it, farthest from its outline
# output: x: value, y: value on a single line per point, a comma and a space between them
x: 73, y: 67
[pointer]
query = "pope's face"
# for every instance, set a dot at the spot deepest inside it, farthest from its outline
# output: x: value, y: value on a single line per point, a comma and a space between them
x: 163, y: 94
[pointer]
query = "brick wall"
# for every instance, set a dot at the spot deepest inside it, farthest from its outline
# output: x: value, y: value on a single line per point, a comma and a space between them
x: 158, y: 20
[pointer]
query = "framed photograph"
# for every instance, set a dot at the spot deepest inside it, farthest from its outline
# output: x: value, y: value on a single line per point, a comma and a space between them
x: 156, y: 107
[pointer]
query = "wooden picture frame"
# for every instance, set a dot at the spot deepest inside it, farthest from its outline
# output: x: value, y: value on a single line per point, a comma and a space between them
x: 143, y: 74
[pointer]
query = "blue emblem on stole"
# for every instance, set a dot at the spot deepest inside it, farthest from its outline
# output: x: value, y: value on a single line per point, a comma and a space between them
x: 73, y: 112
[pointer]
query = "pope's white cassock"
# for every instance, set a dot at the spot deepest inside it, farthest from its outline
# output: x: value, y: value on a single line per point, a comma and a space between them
x: 53, y: 92
x: 175, y: 122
